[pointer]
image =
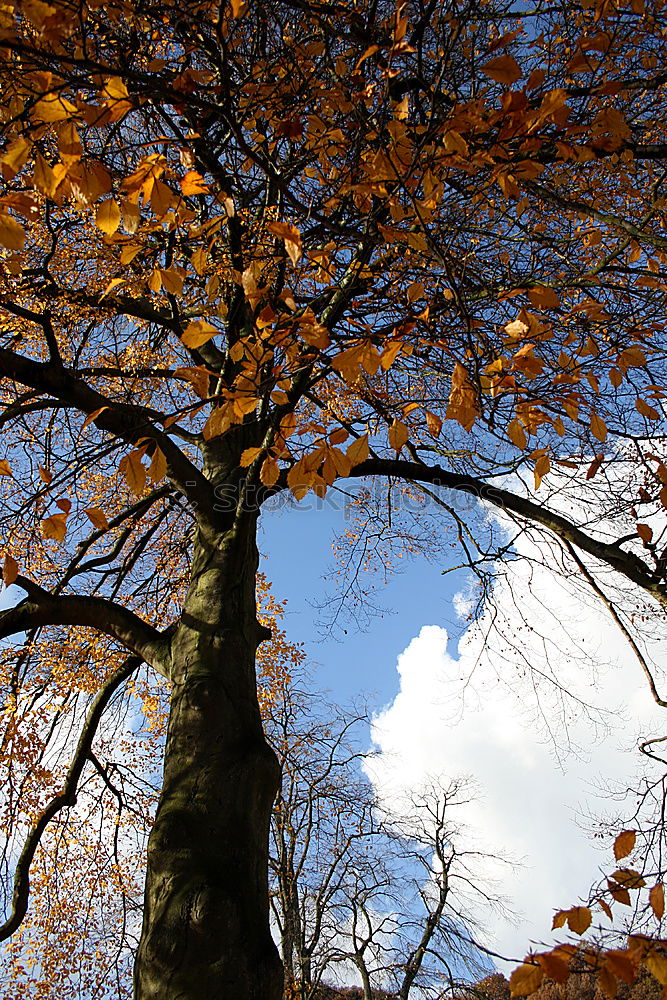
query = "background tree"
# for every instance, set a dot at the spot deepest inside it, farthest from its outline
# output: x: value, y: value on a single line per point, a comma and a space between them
x: 252, y: 248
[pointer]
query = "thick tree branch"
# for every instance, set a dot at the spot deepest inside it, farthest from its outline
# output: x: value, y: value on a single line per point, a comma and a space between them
x: 127, y: 422
x: 626, y: 563
x: 41, y: 608
x: 66, y: 797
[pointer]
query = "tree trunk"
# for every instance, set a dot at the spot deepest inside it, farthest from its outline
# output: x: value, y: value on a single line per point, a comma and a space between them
x: 205, y: 932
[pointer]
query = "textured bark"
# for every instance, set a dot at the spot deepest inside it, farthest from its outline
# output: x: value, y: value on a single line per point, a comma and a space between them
x: 206, y: 913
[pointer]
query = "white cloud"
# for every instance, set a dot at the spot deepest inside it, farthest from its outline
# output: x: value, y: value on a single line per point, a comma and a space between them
x: 540, y: 712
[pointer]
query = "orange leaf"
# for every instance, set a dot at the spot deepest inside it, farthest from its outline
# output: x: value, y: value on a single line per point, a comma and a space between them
x: 133, y: 471
x: 525, y: 980
x: 269, y: 472
x: 55, y: 527
x: 10, y: 571
x: 579, y: 919
x: 398, y: 435
x: 249, y: 456
x: 624, y: 844
x: 434, y: 423
x: 554, y: 966
x: 97, y: 517
x: 107, y: 217
x: 193, y: 183
x: 4, y: 468
x: 607, y: 983
x: 358, y: 451
x: 157, y: 470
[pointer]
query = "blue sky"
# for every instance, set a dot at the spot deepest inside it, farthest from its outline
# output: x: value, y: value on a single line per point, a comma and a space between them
x: 296, y: 543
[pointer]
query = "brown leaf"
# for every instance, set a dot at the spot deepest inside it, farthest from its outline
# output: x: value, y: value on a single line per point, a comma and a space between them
x: 624, y: 844
x: 504, y: 69
x: 656, y: 898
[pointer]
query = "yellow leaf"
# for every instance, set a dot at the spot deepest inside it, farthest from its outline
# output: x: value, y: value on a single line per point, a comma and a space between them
x: 624, y: 844
x: 598, y: 427
x: 55, y: 527
x: 157, y: 470
x: 249, y: 456
x: 10, y: 570
x: 97, y: 518
x: 656, y: 898
x: 115, y: 89
x: 12, y: 234
x: 525, y: 980
x: 4, y: 468
x: 398, y: 435
x: 197, y: 333
x: 358, y: 451
x: 162, y: 198
x: 107, y: 217
x: 193, y: 183
x: 462, y: 405
x: 53, y: 108
x: 504, y: 69
x: 16, y: 154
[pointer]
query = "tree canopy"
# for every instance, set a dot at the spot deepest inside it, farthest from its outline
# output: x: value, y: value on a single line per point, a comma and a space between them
x: 256, y: 248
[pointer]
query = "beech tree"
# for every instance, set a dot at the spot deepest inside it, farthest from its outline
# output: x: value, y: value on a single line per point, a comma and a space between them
x: 253, y: 248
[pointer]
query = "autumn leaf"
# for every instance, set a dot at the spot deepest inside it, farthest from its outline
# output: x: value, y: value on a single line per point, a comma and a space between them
x: 398, y: 435
x: 504, y: 69
x: 598, y: 427
x: 193, y: 183
x: 269, y: 472
x: 526, y: 980
x: 578, y: 919
x: 249, y: 456
x: 555, y: 967
x: 107, y: 217
x: 198, y: 332
x: 358, y: 451
x: 97, y: 517
x: 656, y: 898
x: 93, y: 416
x: 134, y: 472
x: 645, y: 532
x: 4, y: 467
x: 12, y: 233
x: 10, y: 570
x: 55, y: 527
x: 291, y: 237
x: 157, y: 470
x: 624, y: 844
